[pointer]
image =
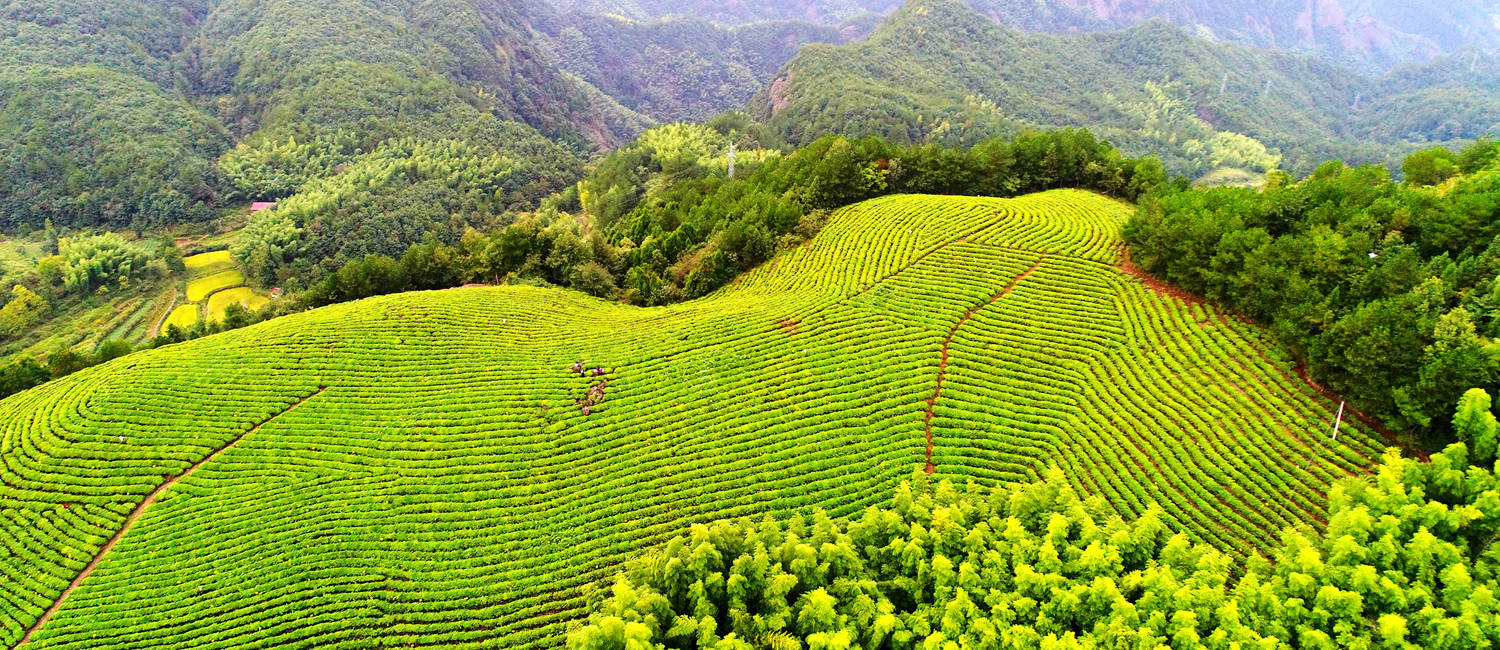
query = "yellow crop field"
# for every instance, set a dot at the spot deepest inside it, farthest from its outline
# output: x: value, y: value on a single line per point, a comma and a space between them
x: 183, y: 316
x: 208, y: 261
x: 200, y: 288
x: 221, y: 301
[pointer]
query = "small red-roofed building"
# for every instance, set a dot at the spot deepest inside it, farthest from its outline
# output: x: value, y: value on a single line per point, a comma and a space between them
x: 262, y: 205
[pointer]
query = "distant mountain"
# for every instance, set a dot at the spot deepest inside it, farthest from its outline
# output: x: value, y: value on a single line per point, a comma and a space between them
x: 1369, y: 34
x: 939, y: 71
x: 1372, y: 35
x: 305, y: 86
x: 681, y: 68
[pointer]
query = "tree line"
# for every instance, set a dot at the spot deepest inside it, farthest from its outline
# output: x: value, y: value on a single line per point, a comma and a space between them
x: 1389, y: 292
x: 1406, y: 561
x: 662, y: 221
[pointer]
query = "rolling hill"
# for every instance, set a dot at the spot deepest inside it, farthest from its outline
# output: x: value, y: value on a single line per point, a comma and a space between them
x: 464, y: 467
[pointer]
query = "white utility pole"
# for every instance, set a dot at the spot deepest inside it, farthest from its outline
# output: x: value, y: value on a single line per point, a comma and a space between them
x: 1337, y: 422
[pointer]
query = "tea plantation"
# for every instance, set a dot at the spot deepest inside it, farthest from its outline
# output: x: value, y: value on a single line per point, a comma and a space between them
x: 466, y: 468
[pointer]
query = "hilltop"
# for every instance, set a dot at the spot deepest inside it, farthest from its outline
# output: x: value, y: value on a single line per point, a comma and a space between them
x: 466, y: 466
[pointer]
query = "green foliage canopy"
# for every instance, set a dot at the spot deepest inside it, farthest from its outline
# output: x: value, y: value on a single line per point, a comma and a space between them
x: 1388, y: 291
x: 1406, y: 562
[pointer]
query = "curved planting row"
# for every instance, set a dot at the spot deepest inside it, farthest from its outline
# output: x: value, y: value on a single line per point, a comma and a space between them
x: 478, y: 462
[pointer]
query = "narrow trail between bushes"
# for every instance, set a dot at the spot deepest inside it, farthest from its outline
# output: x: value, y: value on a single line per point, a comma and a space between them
x: 943, y: 360
x: 141, y: 509
x: 155, y: 330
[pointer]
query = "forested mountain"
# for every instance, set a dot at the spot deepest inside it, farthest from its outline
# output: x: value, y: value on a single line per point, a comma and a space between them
x: 681, y: 68
x: 212, y: 102
x: 1368, y: 34
x: 270, y: 64
x: 305, y: 88
x: 939, y: 71
x: 90, y: 128
x: 1372, y: 35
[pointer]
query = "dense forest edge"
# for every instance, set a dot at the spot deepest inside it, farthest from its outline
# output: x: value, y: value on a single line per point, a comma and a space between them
x: 1407, y: 560
x: 1386, y: 291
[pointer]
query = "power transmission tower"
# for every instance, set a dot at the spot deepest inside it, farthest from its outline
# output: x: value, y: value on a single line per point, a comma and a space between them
x: 1267, y: 91
x: 1224, y: 85
x: 731, y: 160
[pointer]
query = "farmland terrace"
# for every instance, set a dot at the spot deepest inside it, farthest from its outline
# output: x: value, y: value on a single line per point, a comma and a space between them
x: 464, y: 467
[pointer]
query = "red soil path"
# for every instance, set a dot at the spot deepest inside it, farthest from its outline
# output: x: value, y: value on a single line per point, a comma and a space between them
x: 943, y: 361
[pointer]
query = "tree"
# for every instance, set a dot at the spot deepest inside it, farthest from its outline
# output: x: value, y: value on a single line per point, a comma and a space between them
x: 23, y: 310
x: 1476, y: 427
x: 67, y: 362
x: 235, y: 317
x: 646, y: 283
x: 1405, y: 561
x: 593, y: 279
x: 1430, y: 166
x: 51, y: 236
x: 111, y: 350
x: 21, y: 375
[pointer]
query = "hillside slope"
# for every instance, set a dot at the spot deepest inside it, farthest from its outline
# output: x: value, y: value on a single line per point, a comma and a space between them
x: 428, y: 468
x: 306, y: 86
x: 939, y: 71
x: 680, y: 68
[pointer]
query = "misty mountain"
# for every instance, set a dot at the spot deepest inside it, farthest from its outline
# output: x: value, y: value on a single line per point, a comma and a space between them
x: 1372, y: 35
x: 938, y: 71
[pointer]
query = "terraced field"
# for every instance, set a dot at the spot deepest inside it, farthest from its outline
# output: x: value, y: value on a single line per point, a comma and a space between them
x: 434, y: 469
x: 213, y: 284
x: 243, y: 296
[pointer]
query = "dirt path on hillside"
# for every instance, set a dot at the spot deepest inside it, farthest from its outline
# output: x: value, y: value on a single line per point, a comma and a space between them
x: 943, y: 361
x: 136, y: 514
x: 156, y: 327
